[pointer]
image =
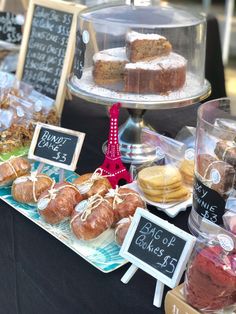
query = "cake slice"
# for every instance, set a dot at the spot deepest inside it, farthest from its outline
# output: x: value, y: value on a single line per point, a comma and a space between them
x: 146, y: 46
x: 108, y: 66
x: 158, y: 76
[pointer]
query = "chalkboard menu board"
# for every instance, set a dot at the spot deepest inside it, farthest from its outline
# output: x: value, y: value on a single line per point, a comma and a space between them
x: 56, y: 146
x: 48, y: 47
x: 11, y: 27
x: 158, y: 247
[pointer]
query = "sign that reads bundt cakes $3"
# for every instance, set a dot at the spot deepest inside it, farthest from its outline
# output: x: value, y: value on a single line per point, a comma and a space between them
x: 157, y: 247
x: 56, y: 146
x: 48, y: 47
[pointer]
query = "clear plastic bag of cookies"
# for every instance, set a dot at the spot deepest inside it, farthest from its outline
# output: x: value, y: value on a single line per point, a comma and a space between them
x: 210, y: 278
x: 160, y: 179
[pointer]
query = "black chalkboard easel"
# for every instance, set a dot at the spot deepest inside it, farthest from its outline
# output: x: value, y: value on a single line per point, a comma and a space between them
x: 48, y: 47
x: 157, y: 247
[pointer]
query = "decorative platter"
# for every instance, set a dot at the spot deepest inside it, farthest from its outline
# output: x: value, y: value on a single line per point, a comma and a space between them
x: 102, y: 252
x: 171, y: 209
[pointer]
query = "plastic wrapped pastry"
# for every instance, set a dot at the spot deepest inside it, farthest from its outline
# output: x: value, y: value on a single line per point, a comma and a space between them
x: 92, y: 217
x: 27, y: 189
x: 121, y: 229
x: 90, y: 184
x: 12, y: 169
x: 124, y: 202
x: 57, y: 204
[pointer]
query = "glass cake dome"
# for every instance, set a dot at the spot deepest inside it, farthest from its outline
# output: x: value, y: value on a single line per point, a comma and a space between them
x: 142, y: 56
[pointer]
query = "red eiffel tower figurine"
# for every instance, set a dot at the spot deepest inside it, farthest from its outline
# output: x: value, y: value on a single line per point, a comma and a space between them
x: 112, y: 166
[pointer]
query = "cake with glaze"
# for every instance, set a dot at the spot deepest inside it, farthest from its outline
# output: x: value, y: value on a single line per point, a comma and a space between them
x: 108, y: 66
x: 157, y: 76
x: 141, y: 47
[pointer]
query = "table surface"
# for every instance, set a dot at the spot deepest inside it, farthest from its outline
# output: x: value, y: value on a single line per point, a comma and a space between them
x: 40, y: 275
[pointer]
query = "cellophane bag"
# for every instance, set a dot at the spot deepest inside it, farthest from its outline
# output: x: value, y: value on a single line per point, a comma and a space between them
x: 161, y: 179
x: 210, y: 278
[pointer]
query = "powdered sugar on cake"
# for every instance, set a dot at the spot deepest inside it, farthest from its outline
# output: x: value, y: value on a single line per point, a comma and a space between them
x: 132, y: 36
x: 172, y: 61
x: 113, y: 54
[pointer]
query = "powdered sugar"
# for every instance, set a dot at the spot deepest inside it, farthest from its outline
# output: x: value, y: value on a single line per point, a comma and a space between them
x: 132, y: 36
x: 172, y: 61
x: 113, y: 54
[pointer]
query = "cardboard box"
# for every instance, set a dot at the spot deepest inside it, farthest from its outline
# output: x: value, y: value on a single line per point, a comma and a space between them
x: 176, y: 304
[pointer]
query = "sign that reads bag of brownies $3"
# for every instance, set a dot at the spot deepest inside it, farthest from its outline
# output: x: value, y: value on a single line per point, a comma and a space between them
x: 48, y: 47
x: 56, y: 146
x: 157, y: 247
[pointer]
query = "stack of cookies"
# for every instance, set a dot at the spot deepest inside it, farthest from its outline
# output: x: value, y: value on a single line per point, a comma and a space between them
x: 187, y: 171
x: 162, y: 184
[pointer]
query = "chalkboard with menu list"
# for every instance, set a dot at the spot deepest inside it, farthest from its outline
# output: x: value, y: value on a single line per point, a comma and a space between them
x: 56, y: 146
x: 48, y: 45
x: 157, y: 247
x: 11, y: 27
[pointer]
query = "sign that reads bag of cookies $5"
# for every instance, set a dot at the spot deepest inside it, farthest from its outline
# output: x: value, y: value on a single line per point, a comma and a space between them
x: 157, y: 247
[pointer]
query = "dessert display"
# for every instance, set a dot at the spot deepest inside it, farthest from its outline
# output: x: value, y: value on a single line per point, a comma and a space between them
x: 121, y: 229
x: 90, y: 184
x: 57, y: 204
x: 162, y: 184
x: 28, y: 188
x: 124, y: 202
x: 210, y: 282
x: 12, y: 169
x: 140, y: 47
x: 92, y: 217
x: 109, y: 66
x: 149, y: 67
x: 226, y: 151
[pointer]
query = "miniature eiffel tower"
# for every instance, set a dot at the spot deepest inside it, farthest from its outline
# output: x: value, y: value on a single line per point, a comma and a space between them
x: 112, y: 166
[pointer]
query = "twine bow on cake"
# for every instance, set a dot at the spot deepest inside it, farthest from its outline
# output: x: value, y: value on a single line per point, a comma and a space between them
x: 8, y: 162
x: 117, y: 197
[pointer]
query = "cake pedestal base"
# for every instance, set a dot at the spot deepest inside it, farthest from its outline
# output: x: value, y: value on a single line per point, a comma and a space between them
x: 132, y: 148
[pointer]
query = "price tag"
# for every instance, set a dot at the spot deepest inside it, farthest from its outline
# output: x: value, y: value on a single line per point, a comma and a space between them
x: 48, y: 47
x: 56, y: 146
x: 157, y: 247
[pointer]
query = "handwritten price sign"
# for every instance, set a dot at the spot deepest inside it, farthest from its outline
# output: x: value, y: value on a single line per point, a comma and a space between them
x: 56, y: 146
x: 157, y: 247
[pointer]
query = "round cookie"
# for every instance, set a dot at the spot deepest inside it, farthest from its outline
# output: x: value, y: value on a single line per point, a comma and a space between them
x: 175, y: 196
x: 159, y: 176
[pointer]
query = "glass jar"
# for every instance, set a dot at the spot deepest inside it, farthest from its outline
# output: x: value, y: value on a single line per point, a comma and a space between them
x: 215, y: 163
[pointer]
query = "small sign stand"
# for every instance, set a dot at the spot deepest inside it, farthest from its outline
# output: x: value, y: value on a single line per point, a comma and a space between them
x: 157, y: 247
x: 56, y: 146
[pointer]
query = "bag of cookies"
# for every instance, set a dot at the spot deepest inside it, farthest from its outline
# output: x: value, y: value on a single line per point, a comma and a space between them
x: 210, y: 279
x: 160, y: 180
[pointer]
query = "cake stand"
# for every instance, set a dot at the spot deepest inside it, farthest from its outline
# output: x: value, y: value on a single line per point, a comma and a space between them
x: 105, y: 27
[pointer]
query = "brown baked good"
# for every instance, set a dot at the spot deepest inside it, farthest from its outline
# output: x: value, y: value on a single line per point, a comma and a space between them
x: 124, y: 202
x: 91, y: 218
x: 90, y: 184
x: 108, y: 66
x: 57, y: 204
x: 226, y: 151
x: 13, y: 168
x: 158, y: 76
x: 141, y: 47
x: 27, y: 189
x: 121, y: 229
x: 217, y: 174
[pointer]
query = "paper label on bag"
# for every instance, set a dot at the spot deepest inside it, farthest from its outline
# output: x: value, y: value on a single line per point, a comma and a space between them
x: 189, y: 154
x: 215, y: 176
x: 226, y: 242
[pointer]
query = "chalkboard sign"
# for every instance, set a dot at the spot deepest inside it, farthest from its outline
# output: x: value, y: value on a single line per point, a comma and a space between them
x: 79, y: 55
x: 208, y: 203
x: 11, y: 27
x: 158, y: 247
x: 48, y: 47
x: 56, y: 146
